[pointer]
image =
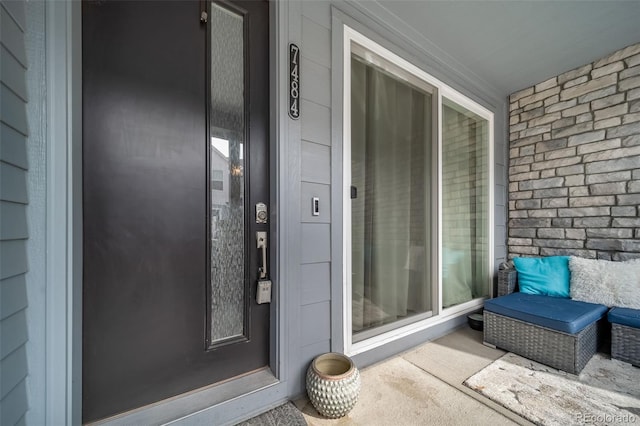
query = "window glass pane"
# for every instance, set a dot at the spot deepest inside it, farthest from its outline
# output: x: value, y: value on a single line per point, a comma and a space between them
x: 465, y: 205
x: 391, y: 168
x: 227, y: 170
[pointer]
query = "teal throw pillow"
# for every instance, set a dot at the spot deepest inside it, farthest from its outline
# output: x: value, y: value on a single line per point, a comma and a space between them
x: 548, y: 276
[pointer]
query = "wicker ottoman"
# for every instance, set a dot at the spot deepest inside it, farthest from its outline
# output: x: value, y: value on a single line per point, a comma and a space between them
x: 560, y: 333
x: 625, y: 334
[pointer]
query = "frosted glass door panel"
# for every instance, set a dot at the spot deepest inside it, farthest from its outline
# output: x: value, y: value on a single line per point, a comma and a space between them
x: 227, y: 166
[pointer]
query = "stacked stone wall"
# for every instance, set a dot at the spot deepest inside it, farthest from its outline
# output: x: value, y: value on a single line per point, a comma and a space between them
x: 574, y: 169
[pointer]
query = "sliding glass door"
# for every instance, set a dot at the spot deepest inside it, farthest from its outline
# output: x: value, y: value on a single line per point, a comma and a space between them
x: 391, y: 194
x: 465, y: 205
x: 417, y: 197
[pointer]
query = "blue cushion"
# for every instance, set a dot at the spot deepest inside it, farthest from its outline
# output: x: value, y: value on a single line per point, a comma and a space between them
x: 625, y: 316
x: 566, y: 315
x: 543, y: 275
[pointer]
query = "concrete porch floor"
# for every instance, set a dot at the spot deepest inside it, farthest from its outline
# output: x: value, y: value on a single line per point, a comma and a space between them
x: 424, y: 386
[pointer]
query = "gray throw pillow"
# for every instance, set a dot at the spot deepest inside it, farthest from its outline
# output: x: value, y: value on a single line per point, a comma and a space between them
x: 605, y: 282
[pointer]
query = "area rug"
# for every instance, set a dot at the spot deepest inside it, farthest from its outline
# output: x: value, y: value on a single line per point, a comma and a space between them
x: 606, y: 391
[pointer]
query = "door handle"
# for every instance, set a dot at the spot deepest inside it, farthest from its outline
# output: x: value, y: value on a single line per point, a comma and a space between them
x: 261, y: 238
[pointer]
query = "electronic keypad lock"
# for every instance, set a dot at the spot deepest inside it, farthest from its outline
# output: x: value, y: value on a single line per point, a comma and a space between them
x: 261, y: 213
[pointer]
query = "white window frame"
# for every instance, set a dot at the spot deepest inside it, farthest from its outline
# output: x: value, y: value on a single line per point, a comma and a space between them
x: 443, y: 91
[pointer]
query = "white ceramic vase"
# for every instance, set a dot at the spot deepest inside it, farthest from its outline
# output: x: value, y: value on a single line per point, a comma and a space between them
x: 333, y: 384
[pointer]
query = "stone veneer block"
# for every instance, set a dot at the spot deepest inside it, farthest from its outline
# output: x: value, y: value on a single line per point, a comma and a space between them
x: 561, y: 105
x: 598, y: 94
x: 560, y: 153
x: 576, y: 110
x: 627, y: 222
x: 629, y: 83
x: 628, y: 200
x: 544, y: 119
x: 550, y: 145
x: 610, y: 122
x: 608, y: 188
x: 564, y: 122
x: 537, y: 97
x: 592, y: 201
x: 552, y: 100
x: 610, y: 233
x: 633, y: 61
x: 607, y: 69
x: 521, y: 94
x: 634, y: 186
x: 576, y: 81
x: 626, y: 130
x: 631, y: 118
x: 578, y: 72
x: 632, y: 140
x: 611, y: 154
x: 623, y: 211
x: 589, y: 86
x: 574, y: 166
x: 612, y: 165
x: 582, y: 118
x: 572, y: 130
x: 576, y: 234
x: 618, y: 55
x: 551, y: 233
x: 611, y: 111
x: 548, y: 84
x: 584, y: 211
x: 607, y: 101
x: 586, y: 137
x: 609, y: 177
x: 630, y: 72
x: 555, y: 202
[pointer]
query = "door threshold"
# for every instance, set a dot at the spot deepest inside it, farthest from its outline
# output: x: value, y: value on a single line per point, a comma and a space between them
x: 181, y: 406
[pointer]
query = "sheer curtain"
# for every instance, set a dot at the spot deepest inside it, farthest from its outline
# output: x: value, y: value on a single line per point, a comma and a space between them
x: 391, y: 144
x: 464, y: 205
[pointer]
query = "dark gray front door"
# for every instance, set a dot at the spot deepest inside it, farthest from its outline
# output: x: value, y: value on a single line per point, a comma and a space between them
x: 175, y: 158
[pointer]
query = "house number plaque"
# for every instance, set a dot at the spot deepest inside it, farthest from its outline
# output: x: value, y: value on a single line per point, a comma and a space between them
x: 294, y: 81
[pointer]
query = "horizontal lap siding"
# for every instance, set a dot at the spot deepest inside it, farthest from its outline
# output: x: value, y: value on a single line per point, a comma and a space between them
x: 315, y: 149
x: 316, y: 152
x: 13, y: 214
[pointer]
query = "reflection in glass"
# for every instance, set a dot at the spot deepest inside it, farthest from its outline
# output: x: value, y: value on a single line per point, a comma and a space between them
x: 226, y: 174
x: 391, y: 168
x: 465, y: 205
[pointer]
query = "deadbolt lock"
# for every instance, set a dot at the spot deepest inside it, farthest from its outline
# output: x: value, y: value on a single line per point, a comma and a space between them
x: 261, y: 213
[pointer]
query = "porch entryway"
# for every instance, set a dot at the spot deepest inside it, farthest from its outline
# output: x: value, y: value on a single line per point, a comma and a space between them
x: 424, y: 386
x: 456, y: 380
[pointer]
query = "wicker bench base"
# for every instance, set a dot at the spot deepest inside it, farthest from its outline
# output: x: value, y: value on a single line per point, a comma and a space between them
x: 567, y: 352
x: 625, y: 343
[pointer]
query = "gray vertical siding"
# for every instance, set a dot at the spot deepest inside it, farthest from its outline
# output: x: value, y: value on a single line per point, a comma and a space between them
x: 13, y: 223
